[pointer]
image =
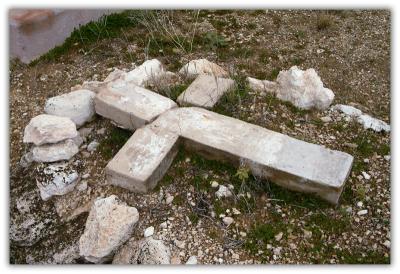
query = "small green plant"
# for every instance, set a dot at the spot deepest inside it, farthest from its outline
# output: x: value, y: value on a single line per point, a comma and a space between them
x: 274, y: 73
x: 242, y: 173
x: 213, y: 40
x: 117, y: 138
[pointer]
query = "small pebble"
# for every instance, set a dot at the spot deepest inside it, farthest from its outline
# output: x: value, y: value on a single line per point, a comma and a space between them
x: 148, y: 231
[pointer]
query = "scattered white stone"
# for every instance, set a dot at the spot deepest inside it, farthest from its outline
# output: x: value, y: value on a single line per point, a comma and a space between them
x: 278, y: 236
x: 85, y: 176
x: 145, y: 251
x: 63, y: 150
x: 101, y: 131
x: 192, y: 260
x: 235, y: 211
x: 243, y: 234
x: 179, y: 244
x: 348, y: 110
x: 223, y: 192
x: 82, y: 186
x: 362, y: 212
x: 262, y: 85
x: 58, y: 180
x: 164, y: 225
x: 145, y: 72
x: 307, y: 234
x: 367, y: 121
x: 214, y: 184
x: 387, y: 157
x: 77, y: 105
x: 44, y: 129
x: 169, y: 199
x: 277, y: 251
x: 304, y: 89
x: 372, y: 123
x: 366, y: 175
x: 148, y: 231
x: 387, y: 243
x: 360, y: 204
x: 227, y: 220
x: 110, y: 223
x: 326, y: 119
x: 92, y: 146
x: 202, y: 66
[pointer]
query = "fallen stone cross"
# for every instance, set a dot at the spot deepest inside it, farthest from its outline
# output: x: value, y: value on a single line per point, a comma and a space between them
x: 161, y: 127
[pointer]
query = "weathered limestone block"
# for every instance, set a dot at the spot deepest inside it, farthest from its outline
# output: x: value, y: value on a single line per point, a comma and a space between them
x: 109, y: 225
x: 365, y: 120
x: 44, y: 129
x: 77, y: 105
x: 48, y: 153
x: 202, y: 66
x: 304, y: 89
x: 144, y: 251
x: 262, y: 85
x: 143, y: 160
x: 57, y: 180
x: 144, y: 73
x: 129, y: 105
x: 205, y: 91
x: 286, y: 161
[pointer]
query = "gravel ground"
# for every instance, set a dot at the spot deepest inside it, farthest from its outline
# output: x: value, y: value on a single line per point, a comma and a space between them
x: 350, y: 50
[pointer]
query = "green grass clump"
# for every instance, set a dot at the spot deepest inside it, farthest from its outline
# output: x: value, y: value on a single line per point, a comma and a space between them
x: 107, y: 26
x: 114, y: 142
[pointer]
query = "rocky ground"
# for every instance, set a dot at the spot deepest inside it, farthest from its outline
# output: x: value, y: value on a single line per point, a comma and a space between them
x: 350, y: 50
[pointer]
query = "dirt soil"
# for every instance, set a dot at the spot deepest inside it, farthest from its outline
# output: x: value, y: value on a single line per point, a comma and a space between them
x: 350, y: 50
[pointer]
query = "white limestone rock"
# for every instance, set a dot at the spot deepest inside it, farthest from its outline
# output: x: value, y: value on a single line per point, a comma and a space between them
x: 44, y: 129
x: 365, y: 120
x: 92, y: 146
x: 148, y: 231
x: 145, y: 251
x: 369, y: 122
x: 145, y: 72
x: 347, y: 110
x: 304, y: 89
x: 223, y: 192
x: 115, y: 74
x: 48, y: 153
x: 77, y: 105
x: 202, y: 66
x: 59, y: 179
x: 192, y: 260
x: 261, y: 85
x: 109, y: 225
x: 227, y: 221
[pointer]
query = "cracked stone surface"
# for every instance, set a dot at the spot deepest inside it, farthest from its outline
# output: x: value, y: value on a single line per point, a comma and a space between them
x: 44, y: 129
x: 202, y: 66
x: 144, y: 251
x: 129, y: 105
x: 58, y: 180
x: 289, y: 162
x: 205, y: 91
x: 77, y: 105
x: 109, y: 225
